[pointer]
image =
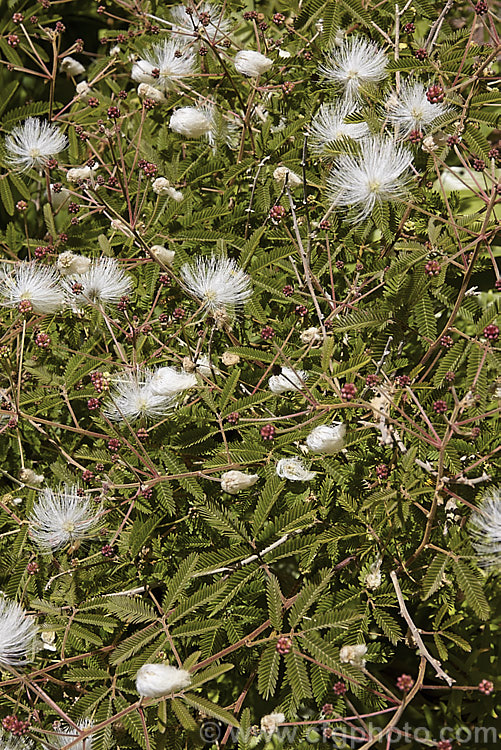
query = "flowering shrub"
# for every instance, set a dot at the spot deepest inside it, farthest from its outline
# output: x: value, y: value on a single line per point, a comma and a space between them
x: 248, y: 373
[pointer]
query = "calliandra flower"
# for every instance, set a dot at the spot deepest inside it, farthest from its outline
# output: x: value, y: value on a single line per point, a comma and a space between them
x: 18, y: 634
x: 60, y: 517
x: 83, y: 90
x: 192, y: 122
x: 251, y: 63
x: 30, y: 282
x: 133, y: 397
x: 33, y: 143
x: 375, y: 175
x: 65, y: 734
x: 329, y: 125
x: 145, y: 91
x: 163, y: 254
x: 328, y: 439
x: 9, y: 741
x: 163, y: 65
x: 188, y: 24
x: 155, y: 680
x: 71, y: 67
x: 104, y: 283
x: 294, y: 469
x: 168, y: 381
x: 288, y: 380
x: 310, y: 336
x: 485, y: 530
x: 235, y: 481
x: 410, y: 109
x: 70, y: 263
x: 216, y: 282
x: 80, y: 173
x: 285, y: 176
x: 270, y: 723
x: 161, y: 186
x: 353, y: 655
x: 355, y: 64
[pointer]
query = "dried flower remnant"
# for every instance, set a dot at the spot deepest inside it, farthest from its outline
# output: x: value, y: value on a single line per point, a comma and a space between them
x: 294, y: 470
x: 216, y: 282
x: 285, y: 176
x: 163, y: 254
x: 164, y: 65
x: 60, y: 517
x: 355, y: 64
x: 18, y: 634
x: 69, y: 263
x: 288, y: 380
x: 33, y: 143
x: 485, y: 530
x: 71, y: 67
x: 34, y: 286
x: 234, y: 481
x: 156, y: 680
x: 379, y: 173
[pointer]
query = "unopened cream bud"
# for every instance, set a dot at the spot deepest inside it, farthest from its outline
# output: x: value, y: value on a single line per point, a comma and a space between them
x: 71, y: 67
x: 311, y: 335
x: 353, y: 655
x: 145, y: 91
x: 235, y: 481
x: 190, y: 121
x: 271, y: 722
x: 229, y: 359
x: 251, y: 63
x: 84, y: 91
x: 69, y: 263
x: 162, y: 254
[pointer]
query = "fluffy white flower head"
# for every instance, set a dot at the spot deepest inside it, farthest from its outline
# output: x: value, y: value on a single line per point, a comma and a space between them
x: 171, y: 67
x: 192, y: 122
x: 80, y: 173
x: 294, y: 469
x: 65, y: 734
x: 133, y: 397
x: 485, y: 530
x: 354, y: 64
x: 284, y: 175
x: 411, y: 110
x: 71, y: 67
x: 168, y: 381
x: 377, y: 174
x: 288, y: 380
x: 234, y: 481
x: 271, y: 722
x: 104, y: 283
x: 145, y: 91
x: 217, y: 282
x: 60, y: 517
x: 155, y: 680
x: 251, y: 63
x: 38, y: 285
x: 186, y: 24
x: 328, y: 439
x: 163, y: 254
x: 329, y: 125
x: 9, y: 741
x: 18, y: 634
x: 353, y: 655
x: 33, y: 143
x: 160, y: 186
x: 70, y: 263
x: 28, y: 476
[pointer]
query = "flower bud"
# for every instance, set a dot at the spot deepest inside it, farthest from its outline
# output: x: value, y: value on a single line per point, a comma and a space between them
x: 83, y: 90
x: 327, y: 439
x: 251, y: 63
x: 234, y: 481
x: 69, y: 263
x: 162, y: 254
x: 155, y: 680
x: 190, y: 121
x: 353, y: 655
x: 161, y: 186
x: 270, y: 722
x: 71, y: 67
x: 229, y: 359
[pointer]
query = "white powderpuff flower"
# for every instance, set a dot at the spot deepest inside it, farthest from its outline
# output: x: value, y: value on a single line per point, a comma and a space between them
x: 192, y: 122
x: 288, y: 380
x: 155, y: 680
x: 60, y: 517
x: 328, y: 439
x: 284, y: 175
x: 329, y: 125
x: 270, y: 723
x: 188, y: 23
x: 104, y: 283
x: 28, y: 476
x: 83, y: 90
x: 80, y: 173
x: 375, y: 175
x: 251, y: 63
x: 235, y: 481
x: 294, y: 469
x: 353, y: 655
x: 216, y: 282
x: 65, y: 734
x: 33, y: 143
x: 310, y: 336
x: 69, y: 263
x: 60, y: 198
x: 354, y: 64
x: 163, y: 254
x: 71, y: 67
x: 171, y: 62
x: 411, y: 110
x: 145, y: 91
x: 18, y: 634
x: 176, y: 195
x: 133, y: 397
x: 9, y: 742
x: 30, y: 283
x: 160, y: 186
x: 168, y: 381
x: 485, y: 530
